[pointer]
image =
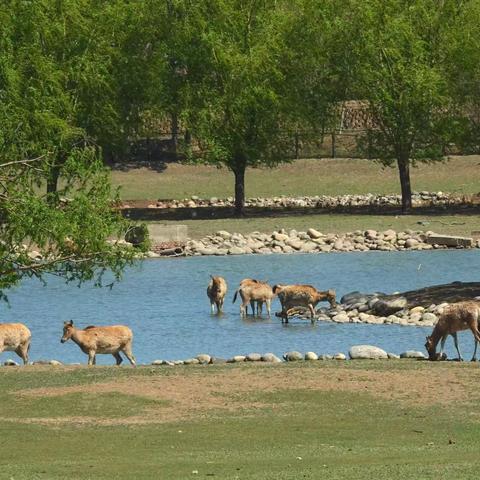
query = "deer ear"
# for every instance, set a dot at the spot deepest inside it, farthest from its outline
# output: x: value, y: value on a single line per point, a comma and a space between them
x: 71, y: 323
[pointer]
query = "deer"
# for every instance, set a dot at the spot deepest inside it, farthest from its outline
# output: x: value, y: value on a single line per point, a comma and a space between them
x: 216, y: 291
x: 105, y: 340
x: 254, y: 291
x: 15, y: 337
x: 292, y: 296
x: 455, y: 317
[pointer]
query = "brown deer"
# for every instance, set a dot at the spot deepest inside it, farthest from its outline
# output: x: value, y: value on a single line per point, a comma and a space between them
x: 109, y: 340
x: 216, y: 291
x: 292, y: 296
x: 254, y: 291
x: 455, y: 317
x: 15, y: 337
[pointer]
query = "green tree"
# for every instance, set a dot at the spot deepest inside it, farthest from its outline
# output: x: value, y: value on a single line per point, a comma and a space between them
x: 238, y: 94
x: 401, y: 72
x: 38, y: 123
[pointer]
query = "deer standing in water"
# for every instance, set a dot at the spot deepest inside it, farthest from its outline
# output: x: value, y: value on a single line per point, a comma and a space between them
x: 254, y: 291
x: 216, y: 290
x: 109, y: 340
x: 456, y: 317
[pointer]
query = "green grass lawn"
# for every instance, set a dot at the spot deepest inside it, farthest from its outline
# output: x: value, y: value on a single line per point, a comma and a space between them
x: 356, y: 420
x: 302, y: 177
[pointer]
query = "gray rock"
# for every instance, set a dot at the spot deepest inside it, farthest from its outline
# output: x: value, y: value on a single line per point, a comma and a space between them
x: 217, y: 361
x: 11, y: 363
x: 253, y: 357
x: 204, y: 358
x: 293, y: 356
x: 388, y: 306
x: 270, y: 358
x: 157, y: 362
x: 312, y: 233
x: 311, y: 356
x: 412, y: 354
x: 236, y: 251
x: 429, y: 317
x: 341, y: 318
x: 237, y: 359
x: 191, y: 361
x: 55, y: 363
x: 339, y: 356
x: 393, y: 356
x: 366, y: 352
x: 325, y: 357
x: 412, y: 243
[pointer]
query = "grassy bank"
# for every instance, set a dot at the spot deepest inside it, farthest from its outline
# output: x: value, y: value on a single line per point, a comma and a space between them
x: 337, y: 223
x: 395, y: 419
x: 302, y: 177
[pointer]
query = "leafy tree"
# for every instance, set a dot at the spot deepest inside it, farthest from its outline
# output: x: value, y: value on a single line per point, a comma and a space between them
x: 400, y: 71
x: 238, y: 102
x: 38, y: 123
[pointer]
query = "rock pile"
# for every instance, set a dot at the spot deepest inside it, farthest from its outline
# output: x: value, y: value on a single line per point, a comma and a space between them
x: 377, y: 309
x: 317, y: 201
x: 311, y: 241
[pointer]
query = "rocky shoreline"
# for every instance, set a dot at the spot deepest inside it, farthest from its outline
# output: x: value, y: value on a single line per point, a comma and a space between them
x: 313, y: 241
x: 356, y: 352
x: 318, y: 201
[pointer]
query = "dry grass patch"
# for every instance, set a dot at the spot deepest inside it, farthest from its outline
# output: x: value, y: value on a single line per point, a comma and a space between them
x: 239, y: 390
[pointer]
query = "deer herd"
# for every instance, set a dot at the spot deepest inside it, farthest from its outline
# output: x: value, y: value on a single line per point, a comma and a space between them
x: 294, y: 299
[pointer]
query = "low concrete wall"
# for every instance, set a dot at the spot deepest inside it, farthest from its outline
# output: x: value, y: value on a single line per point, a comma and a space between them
x: 167, y: 233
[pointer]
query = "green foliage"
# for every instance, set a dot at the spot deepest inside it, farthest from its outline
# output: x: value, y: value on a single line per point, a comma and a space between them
x: 47, y: 71
x: 401, y: 73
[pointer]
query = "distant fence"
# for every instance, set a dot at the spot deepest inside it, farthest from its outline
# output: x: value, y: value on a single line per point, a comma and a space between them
x: 343, y: 144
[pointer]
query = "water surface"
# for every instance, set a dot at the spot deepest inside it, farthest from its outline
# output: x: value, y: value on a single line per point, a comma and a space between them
x: 165, y: 304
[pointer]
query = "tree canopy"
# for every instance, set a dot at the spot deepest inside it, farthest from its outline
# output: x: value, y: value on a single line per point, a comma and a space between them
x: 41, y: 88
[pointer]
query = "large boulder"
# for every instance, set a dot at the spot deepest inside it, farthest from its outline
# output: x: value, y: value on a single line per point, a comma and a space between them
x: 293, y: 356
x: 388, y: 306
x: 270, y: 358
x: 366, y: 352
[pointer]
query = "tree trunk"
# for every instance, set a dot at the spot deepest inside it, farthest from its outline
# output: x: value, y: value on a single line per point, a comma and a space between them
x: 404, y: 170
x: 52, y: 183
x: 239, y: 190
x: 174, y: 132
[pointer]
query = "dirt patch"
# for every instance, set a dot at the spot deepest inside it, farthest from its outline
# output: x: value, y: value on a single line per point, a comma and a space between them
x: 194, y: 395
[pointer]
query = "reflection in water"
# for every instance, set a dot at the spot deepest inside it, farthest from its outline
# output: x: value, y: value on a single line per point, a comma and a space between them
x: 165, y: 304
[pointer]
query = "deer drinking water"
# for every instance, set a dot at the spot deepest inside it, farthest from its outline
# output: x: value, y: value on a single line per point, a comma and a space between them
x: 306, y: 296
x: 108, y: 340
x: 15, y: 337
x: 456, y: 317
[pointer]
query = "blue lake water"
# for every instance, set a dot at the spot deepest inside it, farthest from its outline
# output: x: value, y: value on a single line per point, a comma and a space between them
x: 165, y: 304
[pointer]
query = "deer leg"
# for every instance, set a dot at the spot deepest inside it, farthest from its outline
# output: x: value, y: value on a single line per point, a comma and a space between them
x: 127, y: 350
x: 22, y: 352
x: 474, y: 358
x: 269, y: 306
x: 91, y: 358
x: 212, y: 306
x: 442, y: 345
x: 455, y: 341
x: 118, y: 358
x: 312, y: 313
